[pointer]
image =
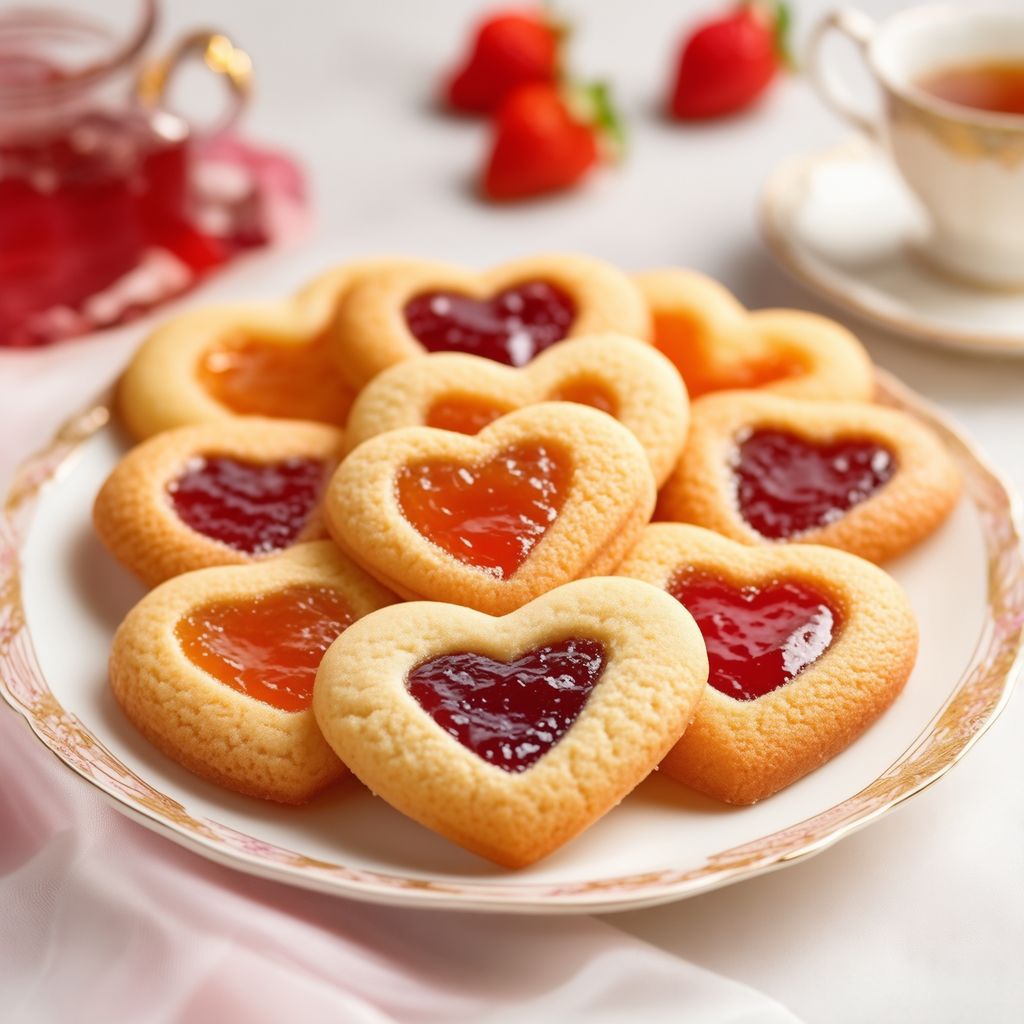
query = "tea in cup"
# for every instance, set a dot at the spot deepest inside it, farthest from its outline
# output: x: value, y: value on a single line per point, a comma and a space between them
x: 952, y: 119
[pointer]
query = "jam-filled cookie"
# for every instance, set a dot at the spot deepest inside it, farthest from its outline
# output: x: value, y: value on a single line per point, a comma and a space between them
x: 216, y: 494
x: 509, y: 314
x: 717, y: 345
x: 807, y: 646
x: 511, y: 735
x: 537, y: 498
x: 258, y: 359
x: 616, y: 374
x: 852, y: 475
x: 216, y: 668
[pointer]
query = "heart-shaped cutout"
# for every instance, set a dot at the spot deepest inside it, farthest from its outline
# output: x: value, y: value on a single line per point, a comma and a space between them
x: 251, y: 377
x: 758, y: 638
x: 761, y: 469
x: 265, y: 359
x: 215, y: 494
x: 268, y: 648
x: 620, y: 376
x: 216, y: 667
x: 540, y: 497
x: 807, y: 646
x: 511, y: 735
x: 509, y: 713
x: 253, y: 507
x: 511, y: 327
x: 490, y: 515
x: 509, y: 313
x: 786, y: 485
x: 716, y: 344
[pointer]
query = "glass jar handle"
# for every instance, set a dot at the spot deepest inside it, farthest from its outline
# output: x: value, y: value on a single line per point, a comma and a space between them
x: 219, y: 54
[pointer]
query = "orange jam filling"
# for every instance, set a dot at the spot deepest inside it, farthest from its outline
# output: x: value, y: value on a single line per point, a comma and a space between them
x: 587, y: 392
x: 492, y: 515
x: 269, y: 647
x: 680, y: 339
x: 462, y: 414
x: 259, y: 378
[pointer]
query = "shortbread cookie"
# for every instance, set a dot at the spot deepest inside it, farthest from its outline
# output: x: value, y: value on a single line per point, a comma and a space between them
x: 807, y: 647
x: 217, y: 493
x: 216, y: 668
x: 717, y: 345
x: 618, y: 375
x: 540, y: 497
x: 511, y: 735
x: 851, y: 475
x: 509, y: 313
x: 259, y: 359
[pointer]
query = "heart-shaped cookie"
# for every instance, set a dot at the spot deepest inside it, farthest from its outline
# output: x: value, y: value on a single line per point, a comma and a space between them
x: 618, y: 375
x: 259, y: 359
x: 807, y: 647
x: 763, y: 469
x: 539, y: 497
x: 216, y: 494
x: 216, y: 668
x: 509, y: 314
x: 717, y: 345
x: 511, y: 735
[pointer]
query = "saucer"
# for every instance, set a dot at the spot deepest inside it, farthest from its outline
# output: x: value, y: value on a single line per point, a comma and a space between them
x: 842, y: 222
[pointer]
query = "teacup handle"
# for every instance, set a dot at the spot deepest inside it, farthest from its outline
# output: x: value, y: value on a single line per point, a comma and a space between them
x: 219, y: 54
x: 858, y: 27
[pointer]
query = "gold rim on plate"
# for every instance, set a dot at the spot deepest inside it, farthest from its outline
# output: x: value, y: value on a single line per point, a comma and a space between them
x: 981, y: 693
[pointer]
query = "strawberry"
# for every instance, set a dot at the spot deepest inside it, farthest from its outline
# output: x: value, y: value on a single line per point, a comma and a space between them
x: 546, y: 141
x: 510, y: 48
x: 728, y: 62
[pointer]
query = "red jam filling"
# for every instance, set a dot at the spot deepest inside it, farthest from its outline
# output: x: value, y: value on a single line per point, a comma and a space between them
x: 682, y: 341
x: 492, y: 515
x: 258, y: 378
x: 462, y: 414
x: 786, y: 485
x: 268, y: 648
x: 509, y: 713
x: 255, y: 507
x: 757, y: 639
x: 511, y: 327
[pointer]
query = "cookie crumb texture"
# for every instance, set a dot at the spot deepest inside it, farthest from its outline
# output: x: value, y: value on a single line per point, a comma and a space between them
x: 606, y: 502
x: 741, y: 751
x: 135, y: 514
x: 619, y: 375
x: 898, y: 503
x: 654, y: 672
x: 226, y: 736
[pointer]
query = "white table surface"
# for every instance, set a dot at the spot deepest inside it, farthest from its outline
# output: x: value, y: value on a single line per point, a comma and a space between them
x: 917, y: 918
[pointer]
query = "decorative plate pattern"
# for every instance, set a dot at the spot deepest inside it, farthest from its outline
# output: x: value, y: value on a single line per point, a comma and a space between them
x: 979, y: 695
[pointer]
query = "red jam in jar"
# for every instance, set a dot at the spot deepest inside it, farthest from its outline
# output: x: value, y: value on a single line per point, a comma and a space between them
x: 757, y: 638
x: 786, y: 486
x: 511, y: 327
x: 255, y: 507
x: 269, y: 647
x: 492, y: 515
x: 509, y: 713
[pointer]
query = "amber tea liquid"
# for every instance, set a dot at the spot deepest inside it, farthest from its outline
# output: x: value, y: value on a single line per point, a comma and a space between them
x: 995, y: 86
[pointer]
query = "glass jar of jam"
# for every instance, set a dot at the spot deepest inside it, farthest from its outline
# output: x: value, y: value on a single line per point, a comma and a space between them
x: 94, y: 171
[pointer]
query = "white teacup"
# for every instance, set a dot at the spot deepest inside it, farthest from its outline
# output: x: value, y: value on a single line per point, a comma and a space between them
x: 965, y: 165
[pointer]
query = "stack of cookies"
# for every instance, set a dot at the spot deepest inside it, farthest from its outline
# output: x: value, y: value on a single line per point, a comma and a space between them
x: 400, y: 526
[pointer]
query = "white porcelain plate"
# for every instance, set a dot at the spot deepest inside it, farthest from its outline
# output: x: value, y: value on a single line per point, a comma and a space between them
x: 843, y: 223
x: 61, y: 597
